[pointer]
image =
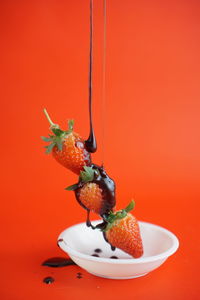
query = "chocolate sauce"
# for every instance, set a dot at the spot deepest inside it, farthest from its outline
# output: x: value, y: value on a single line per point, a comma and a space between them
x: 59, y: 241
x: 96, y: 255
x: 114, y: 257
x: 57, y: 262
x: 48, y: 280
x: 90, y: 143
x: 79, y: 275
x: 101, y: 178
x: 108, y: 192
x: 108, y: 189
x: 88, y: 222
x: 98, y: 250
x: 105, y: 238
x: 107, y: 186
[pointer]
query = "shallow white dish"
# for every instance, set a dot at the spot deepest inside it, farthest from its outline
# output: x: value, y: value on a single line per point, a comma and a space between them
x: 79, y: 242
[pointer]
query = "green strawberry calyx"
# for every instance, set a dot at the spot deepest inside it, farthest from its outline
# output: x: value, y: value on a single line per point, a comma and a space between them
x: 85, y: 176
x: 121, y: 214
x: 59, y: 135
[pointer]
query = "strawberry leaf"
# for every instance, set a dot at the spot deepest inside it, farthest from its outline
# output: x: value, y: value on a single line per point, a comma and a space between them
x: 72, y: 187
x: 57, y: 131
x: 46, y: 139
x: 59, y: 136
x: 121, y: 214
x: 59, y: 143
x: 50, y: 147
x: 87, y: 175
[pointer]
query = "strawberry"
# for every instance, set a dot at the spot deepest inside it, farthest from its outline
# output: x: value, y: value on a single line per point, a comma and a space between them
x: 95, y: 191
x: 122, y: 231
x: 90, y: 196
x: 67, y: 147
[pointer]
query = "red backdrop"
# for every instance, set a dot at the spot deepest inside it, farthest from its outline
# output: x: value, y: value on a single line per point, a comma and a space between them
x: 151, y: 143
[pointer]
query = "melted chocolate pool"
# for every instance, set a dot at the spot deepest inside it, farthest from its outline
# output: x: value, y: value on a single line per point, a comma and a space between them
x: 57, y: 262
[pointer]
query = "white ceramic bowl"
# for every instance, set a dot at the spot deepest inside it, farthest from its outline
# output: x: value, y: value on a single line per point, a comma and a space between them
x: 80, y: 243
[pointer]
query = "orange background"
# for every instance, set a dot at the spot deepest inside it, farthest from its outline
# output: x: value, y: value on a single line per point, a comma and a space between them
x: 151, y: 143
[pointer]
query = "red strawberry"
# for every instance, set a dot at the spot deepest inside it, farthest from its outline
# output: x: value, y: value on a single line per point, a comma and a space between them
x: 90, y: 196
x: 67, y: 147
x: 95, y: 191
x: 122, y: 231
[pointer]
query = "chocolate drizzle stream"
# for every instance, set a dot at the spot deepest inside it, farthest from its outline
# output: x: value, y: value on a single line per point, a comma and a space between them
x: 90, y: 143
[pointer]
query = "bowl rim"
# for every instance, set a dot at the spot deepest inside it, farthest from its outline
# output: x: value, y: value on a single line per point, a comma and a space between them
x: 161, y: 256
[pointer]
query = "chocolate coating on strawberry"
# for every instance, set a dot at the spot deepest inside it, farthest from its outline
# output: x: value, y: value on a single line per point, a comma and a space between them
x: 99, y: 192
x: 107, y: 185
x: 95, y: 191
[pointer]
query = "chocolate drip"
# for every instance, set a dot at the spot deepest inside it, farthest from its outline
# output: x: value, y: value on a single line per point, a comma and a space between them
x: 112, y: 247
x: 48, y: 280
x: 98, y: 250
x: 79, y: 275
x: 90, y: 143
x: 108, y: 187
x: 57, y: 262
x: 105, y: 238
x: 88, y: 222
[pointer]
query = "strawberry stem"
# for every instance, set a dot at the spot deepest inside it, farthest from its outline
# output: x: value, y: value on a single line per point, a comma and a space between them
x: 130, y: 206
x: 71, y: 124
x: 49, y: 119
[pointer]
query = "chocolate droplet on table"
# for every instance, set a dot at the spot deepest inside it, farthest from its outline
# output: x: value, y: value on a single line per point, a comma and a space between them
x: 48, y: 280
x: 114, y: 257
x: 57, y: 262
x: 79, y: 275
